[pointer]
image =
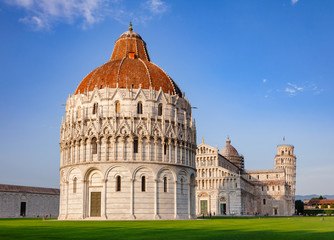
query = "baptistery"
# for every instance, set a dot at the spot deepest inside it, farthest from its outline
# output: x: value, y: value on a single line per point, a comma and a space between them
x: 128, y: 142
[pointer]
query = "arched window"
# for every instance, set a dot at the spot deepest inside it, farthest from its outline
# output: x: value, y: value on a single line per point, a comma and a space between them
x: 94, y: 146
x: 135, y: 146
x: 165, y: 149
x: 160, y: 109
x: 95, y: 106
x: 118, y: 183
x: 79, y: 112
x: 140, y: 108
x: 165, y: 184
x: 75, y: 185
x: 182, y: 186
x: 143, y: 183
x: 117, y: 107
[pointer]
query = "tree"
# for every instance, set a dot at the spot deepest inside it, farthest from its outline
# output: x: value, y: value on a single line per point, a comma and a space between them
x: 318, y: 198
x: 299, y: 205
x: 332, y: 205
x: 317, y: 206
x: 323, y: 206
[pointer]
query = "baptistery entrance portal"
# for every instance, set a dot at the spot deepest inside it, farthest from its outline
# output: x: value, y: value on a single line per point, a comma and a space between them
x: 95, y: 204
x: 204, y: 207
x: 223, y: 209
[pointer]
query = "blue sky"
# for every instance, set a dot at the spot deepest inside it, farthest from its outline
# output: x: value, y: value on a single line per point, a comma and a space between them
x: 256, y: 70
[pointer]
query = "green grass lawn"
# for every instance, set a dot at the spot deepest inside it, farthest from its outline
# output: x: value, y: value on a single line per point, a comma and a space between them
x: 222, y: 228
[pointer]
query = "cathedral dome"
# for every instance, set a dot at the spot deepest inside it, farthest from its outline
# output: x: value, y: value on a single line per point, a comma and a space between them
x: 129, y: 67
x: 228, y: 149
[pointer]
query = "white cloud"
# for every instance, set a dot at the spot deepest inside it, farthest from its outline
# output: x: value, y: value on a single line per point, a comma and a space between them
x: 290, y: 91
x: 264, y: 80
x: 293, y: 89
x: 156, y: 6
x: 44, y: 14
x: 315, y: 88
x: 293, y: 2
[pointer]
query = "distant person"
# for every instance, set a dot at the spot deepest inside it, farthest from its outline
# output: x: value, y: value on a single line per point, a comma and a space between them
x: 210, y: 215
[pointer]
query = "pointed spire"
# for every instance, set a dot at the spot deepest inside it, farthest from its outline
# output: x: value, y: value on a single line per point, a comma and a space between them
x: 228, y: 141
x: 202, y: 140
x: 130, y: 26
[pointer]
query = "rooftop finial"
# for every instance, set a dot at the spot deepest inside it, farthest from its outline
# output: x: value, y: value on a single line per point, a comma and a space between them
x: 130, y: 26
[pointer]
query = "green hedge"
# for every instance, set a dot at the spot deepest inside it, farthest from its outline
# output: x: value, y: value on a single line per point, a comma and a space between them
x: 318, y: 211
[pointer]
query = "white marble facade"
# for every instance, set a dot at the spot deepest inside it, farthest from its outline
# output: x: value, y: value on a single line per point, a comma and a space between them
x: 98, y: 146
x: 223, y: 188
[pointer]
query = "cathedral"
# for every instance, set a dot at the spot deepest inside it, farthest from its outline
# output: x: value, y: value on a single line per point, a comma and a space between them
x: 224, y: 187
x: 128, y: 151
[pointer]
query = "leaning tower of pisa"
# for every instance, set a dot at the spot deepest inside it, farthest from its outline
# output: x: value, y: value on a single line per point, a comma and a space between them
x: 285, y: 159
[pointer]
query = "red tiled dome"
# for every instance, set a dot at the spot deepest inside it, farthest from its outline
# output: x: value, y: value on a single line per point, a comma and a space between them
x: 228, y: 149
x: 129, y: 67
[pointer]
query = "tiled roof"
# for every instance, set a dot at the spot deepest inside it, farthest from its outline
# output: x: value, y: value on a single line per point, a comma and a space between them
x: 269, y: 182
x: 26, y: 189
x: 265, y: 171
x: 320, y: 201
x: 228, y: 149
x: 129, y: 67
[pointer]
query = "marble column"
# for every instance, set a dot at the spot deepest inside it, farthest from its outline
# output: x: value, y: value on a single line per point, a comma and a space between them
x: 106, y: 148
x: 132, y: 216
x: 84, y: 199
x: 175, y: 200
x: 98, y: 150
x: 104, y: 199
x: 114, y: 143
x: 78, y: 151
x: 176, y: 159
x: 156, y: 195
x: 155, y: 148
x: 140, y: 148
x: 189, y: 210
